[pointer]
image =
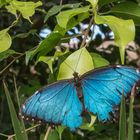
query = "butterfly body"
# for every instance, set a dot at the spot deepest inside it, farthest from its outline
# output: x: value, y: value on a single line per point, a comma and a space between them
x: 96, y: 91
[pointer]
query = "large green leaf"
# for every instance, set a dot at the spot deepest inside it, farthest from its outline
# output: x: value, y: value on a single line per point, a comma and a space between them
x: 45, y: 46
x: 127, y: 10
x: 27, y: 9
x: 5, y: 40
x: 80, y: 61
x: 124, y: 30
x: 64, y: 16
x: 19, y: 135
x: 57, y: 8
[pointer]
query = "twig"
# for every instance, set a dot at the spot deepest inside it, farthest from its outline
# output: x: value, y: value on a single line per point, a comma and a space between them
x: 72, y: 36
x: 11, y: 63
x: 47, y: 133
x: 4, y: 135
x: 87, y: 32
x: 11, y: 136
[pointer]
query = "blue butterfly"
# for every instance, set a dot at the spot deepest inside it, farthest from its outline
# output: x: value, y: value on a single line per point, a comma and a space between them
x: 101, y: 89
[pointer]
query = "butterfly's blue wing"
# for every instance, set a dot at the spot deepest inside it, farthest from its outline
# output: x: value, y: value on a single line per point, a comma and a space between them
x: 103, y: 88
x: 57, y: 103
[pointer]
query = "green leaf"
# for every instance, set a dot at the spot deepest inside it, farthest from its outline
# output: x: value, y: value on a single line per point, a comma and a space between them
x: 45, y: 46
x: 53, y: 135
x: 19, y: 135
x: 92, y: 121
x: 104, y: 2
x: 64, y: 16
x: 98, y: 61
x: 5, y: 40
x: 48, y: 60
x: 6, y: 54
x: 85, y: 126
x: 4, y: 2
x: 57, y: 8
x: 27, y: 9
x: 60, y: 130
x: 122, y: 124
x: 123, y: 34
x: 130, y: 121
x: 75, y: 63
x: 72, y: 22
x: 93, y: 3
x: 127, y: 10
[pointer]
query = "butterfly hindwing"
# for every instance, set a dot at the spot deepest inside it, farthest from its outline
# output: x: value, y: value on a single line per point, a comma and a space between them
x: 57, y: 103
x: 103, y: 88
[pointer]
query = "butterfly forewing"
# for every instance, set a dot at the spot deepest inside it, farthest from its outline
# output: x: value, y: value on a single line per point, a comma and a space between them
x: 103, y: 88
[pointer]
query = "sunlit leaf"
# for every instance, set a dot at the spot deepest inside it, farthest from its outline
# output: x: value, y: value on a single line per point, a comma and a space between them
x: 72, y: 22
x: 80, y: 61
x: 64, y: 16
x: 5, y: 40
x: 93, y: 3
x: 123, y: 34
x: 27, y: 9
x: 124, y: 30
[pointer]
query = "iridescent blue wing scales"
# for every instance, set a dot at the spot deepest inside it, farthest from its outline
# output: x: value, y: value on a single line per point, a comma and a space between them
x: 103, y: 88
x: 57, y: 103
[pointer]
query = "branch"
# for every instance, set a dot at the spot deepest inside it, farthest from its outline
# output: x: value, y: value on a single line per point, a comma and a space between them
x: 87, y: 32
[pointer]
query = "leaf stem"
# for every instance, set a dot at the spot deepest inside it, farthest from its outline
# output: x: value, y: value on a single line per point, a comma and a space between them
x: 47, y: 133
